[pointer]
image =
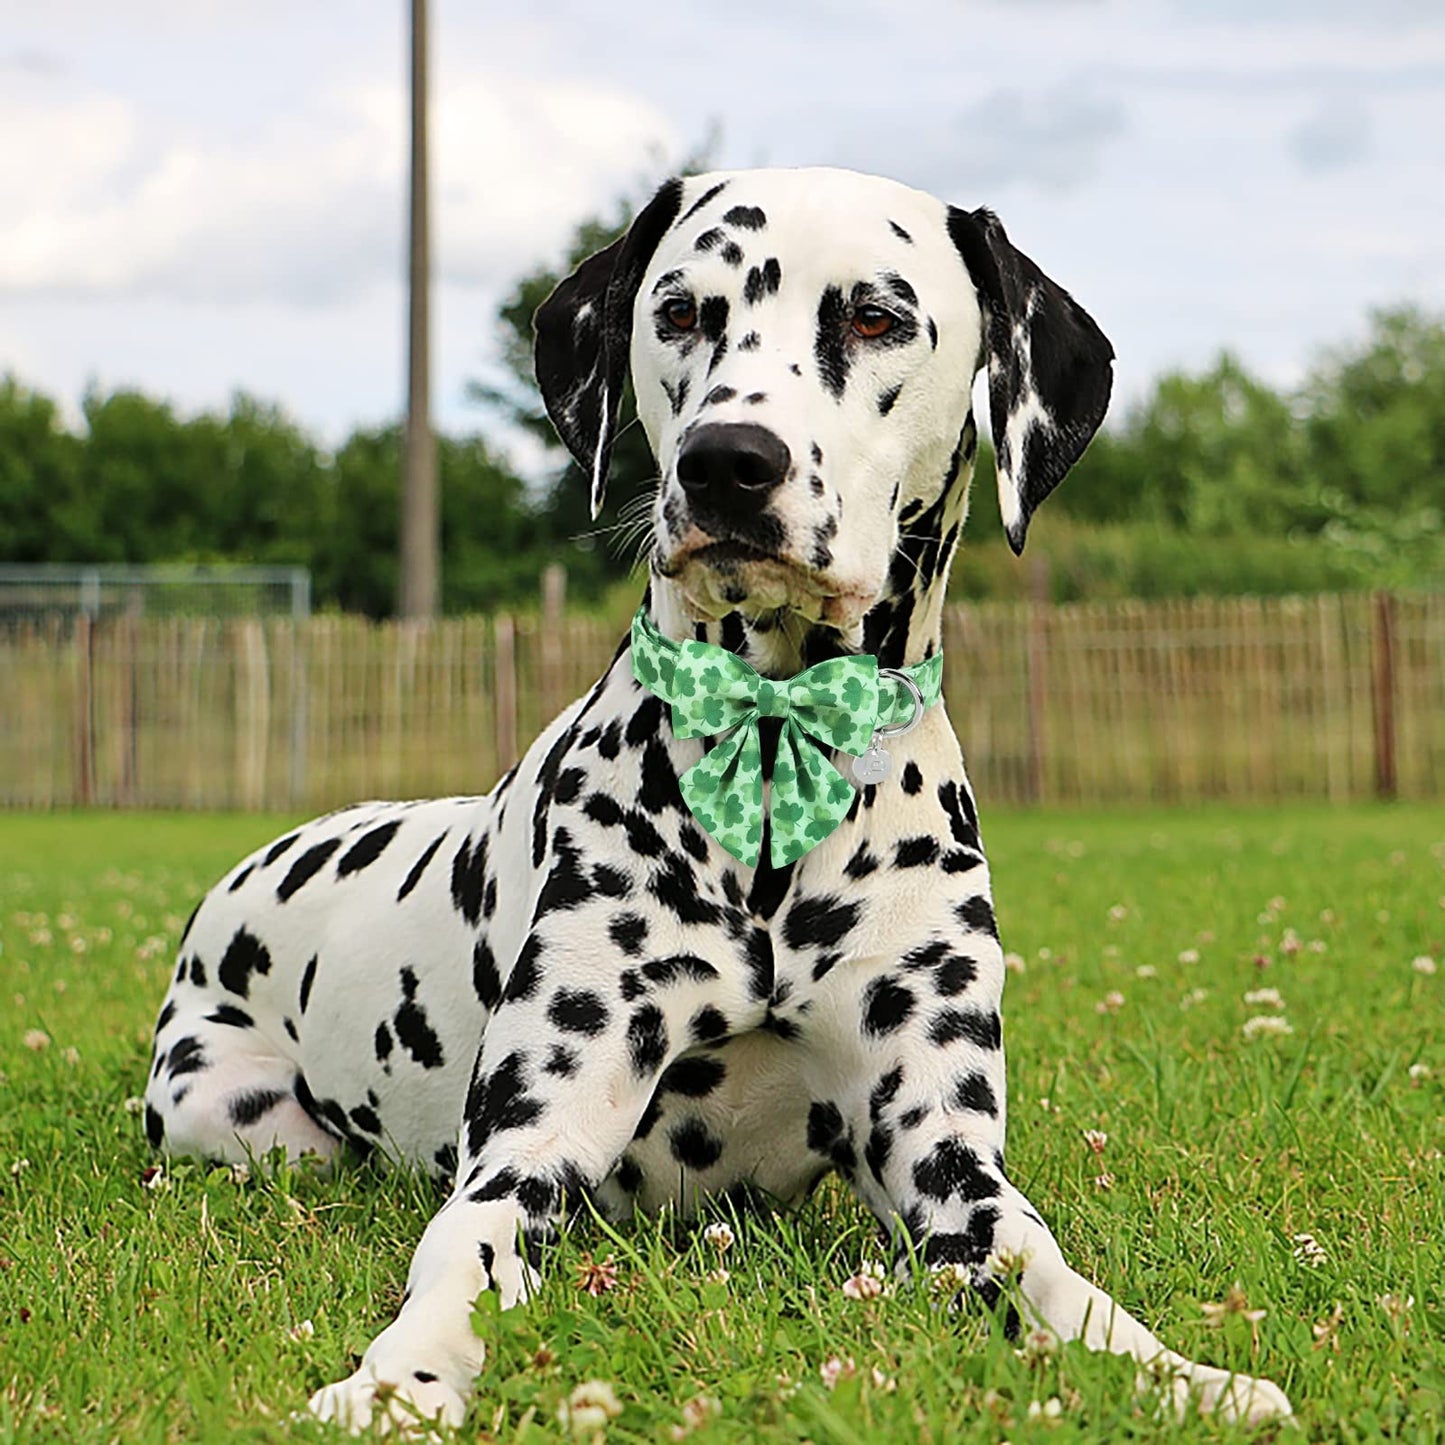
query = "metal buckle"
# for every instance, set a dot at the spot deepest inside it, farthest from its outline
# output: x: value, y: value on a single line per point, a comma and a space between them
x: 872, y: 765
x: 899, y: 730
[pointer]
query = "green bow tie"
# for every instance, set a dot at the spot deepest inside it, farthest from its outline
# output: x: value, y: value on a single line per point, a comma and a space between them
x: 841, y: 703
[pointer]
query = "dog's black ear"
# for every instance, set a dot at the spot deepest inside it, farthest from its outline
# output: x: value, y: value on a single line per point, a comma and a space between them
x: 584, y: 335
x: 1050, y: 368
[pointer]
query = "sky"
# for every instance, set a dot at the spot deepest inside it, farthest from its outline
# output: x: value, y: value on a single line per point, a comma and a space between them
x: 198, y: 197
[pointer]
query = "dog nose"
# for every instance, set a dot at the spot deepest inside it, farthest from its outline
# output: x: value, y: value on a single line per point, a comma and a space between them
x: 731, y: 466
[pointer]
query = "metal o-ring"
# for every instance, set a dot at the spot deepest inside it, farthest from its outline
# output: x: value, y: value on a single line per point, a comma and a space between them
x: 898, y: 730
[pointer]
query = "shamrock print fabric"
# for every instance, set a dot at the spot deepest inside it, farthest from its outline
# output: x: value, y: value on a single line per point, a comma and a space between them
x: 838, y: 703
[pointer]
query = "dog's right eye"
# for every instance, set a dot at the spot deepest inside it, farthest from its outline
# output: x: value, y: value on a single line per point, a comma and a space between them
x: 680, y: 313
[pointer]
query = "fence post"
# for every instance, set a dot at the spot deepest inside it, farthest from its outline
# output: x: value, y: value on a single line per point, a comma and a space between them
x: 1384, y: 695
x: 1038, y: 677
x: 554, y: 596
x: 504, y: 637
x: 84, y: 709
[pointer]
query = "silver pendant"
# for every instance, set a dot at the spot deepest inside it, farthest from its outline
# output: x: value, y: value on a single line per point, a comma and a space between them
x: 873, y: 764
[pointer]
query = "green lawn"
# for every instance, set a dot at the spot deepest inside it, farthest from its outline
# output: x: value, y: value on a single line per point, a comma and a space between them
x: 206, y: 1309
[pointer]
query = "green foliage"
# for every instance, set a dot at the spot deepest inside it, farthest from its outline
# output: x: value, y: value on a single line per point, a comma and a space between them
x: 177, y: 1312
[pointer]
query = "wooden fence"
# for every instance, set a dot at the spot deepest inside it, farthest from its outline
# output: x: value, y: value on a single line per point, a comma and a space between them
x: 1331, y: 697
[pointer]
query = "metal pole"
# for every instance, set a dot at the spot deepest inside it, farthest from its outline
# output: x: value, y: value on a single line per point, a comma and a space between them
x: 420, y: 516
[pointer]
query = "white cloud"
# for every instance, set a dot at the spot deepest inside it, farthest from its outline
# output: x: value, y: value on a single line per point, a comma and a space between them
x: 106, y: 199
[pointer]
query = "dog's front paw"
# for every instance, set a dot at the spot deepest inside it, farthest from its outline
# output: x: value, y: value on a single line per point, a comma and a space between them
x: 1239, y: 1399
x: 411, y: 1407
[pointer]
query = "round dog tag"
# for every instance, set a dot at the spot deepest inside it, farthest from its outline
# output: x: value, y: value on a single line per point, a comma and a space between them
x: 872, y: 766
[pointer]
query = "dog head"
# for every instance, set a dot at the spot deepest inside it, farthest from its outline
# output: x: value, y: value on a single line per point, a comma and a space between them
x: 803, y: 346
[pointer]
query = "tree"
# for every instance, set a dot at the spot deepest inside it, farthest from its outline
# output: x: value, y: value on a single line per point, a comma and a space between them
x: 595, y: 552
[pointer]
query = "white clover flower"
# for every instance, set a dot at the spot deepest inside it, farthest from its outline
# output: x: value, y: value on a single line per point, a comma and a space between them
x: 134, y: 1105
x: 1014, y: 963
x: 1308, y: 1250
x: 71, y: 1055
x: 864, y: 1285
x: 695, y: 1414
x: 1264, y: 998
x: 1111, y: 1003
x: 1193, y: 997
x: 1096, y: 1139
x: 1420, y: 1072
x: 1318, y: 945
x: 36, y: 1040
x: 834, y: 1369
x: 1290, y: 943
x: 1395, y: 1306
x: 1118, y: 913
x: 717, y: 1276
x: 1146, y: 970
x: 589, y: 1407
x: 1189, y: 955
x: 1425, y: 965
x: 886, y: 1383
x: 1104, y: 1180
x: 719, y: 1235
x: 1050, y: 1409
x: 1262, y: 1024
x: 302, y: 1331
x: 18, y: 1167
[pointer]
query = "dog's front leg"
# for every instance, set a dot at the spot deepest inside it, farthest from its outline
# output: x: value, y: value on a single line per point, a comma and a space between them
x: 910, y: 1090
x: 567, y: 1067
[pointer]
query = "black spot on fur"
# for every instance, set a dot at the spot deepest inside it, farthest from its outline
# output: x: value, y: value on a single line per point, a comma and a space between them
x: 677, y: 967
x: 629, y: 932
x: 952, y: 1169
x: 829, y: 346
x: 499, y: 1101
x: 710, y: 240
x: 708, y: 1025
x: 762, y: 281
x: 241, y: 877
x: 693, y: 1145
x: 367, y: 849
x: 647, y: 1040
x: 245, y: 956
x: 884, y: 1092
x: 419, y: 867
x: 469, y: 868
x: 186, y: 1057
x: 750, y: 342
x: 747, y: 218
x: 236, y: 1018
x: 708, y: 195
x: 578, y: 1011
x: 694, y: 1077
x: 561, y: 1062
x: 525, y: 975
x: 674, y: 885
x: 306, y: 867
x: 308, y: 977
x: 486, y: 977
x: 888, y: 398
x: 954, y: 975
x: 413, y: 1030
x: 976, y: 915
x: 155, y: 1128
x: 383, y: 1042
x: 247, y: 1108
x: 886, y: 1006
x: 981, y: 1029
x: 198, y: 972
x: 976, y: 1093
x: 900, y: 232
x: 915, y: 852
x: 280, y: 846
x: 819, y: 922
x: 912, y: 779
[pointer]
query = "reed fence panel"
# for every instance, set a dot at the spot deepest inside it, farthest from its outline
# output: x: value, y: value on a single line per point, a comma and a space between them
x: 1334, y: 697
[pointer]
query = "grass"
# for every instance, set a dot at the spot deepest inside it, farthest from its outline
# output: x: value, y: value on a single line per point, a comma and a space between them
x: 178, y: 1312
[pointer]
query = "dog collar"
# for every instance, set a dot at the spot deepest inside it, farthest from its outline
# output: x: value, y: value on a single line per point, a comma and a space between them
x: 848, y: 703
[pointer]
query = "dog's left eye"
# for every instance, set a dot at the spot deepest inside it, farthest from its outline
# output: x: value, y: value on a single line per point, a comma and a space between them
x: 871, y: 322
x: 680, y: 313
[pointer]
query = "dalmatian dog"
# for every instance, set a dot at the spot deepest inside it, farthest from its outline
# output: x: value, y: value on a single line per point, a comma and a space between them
x: 566, y: 988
